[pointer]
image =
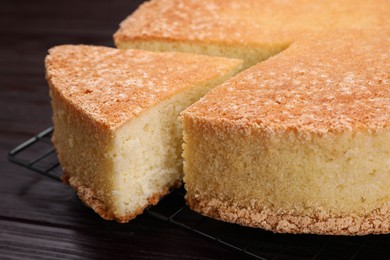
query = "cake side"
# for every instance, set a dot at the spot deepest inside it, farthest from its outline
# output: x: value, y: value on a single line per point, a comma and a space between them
x: 302, y: 135
x: 326, y: 185
x: 81, y: 145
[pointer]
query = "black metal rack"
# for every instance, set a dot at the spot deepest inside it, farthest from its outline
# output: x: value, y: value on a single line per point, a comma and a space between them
x: 38, y: 154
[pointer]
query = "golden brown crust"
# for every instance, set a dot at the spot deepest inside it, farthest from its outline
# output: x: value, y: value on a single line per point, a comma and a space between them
x: 113, y: 86
x: 310, y: 88
x: 322, y: 222
x: 247, y: 21
x: 90, y: 199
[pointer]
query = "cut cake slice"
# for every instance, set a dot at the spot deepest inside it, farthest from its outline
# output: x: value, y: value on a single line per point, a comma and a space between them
x: 115, y: 120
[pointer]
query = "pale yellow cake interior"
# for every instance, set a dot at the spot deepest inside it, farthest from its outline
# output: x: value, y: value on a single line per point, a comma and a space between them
x: 146, y: 152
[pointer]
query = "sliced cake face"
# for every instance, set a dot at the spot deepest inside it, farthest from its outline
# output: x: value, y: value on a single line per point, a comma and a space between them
x: 299, y: 143
x: 115, y: 118
x: 252, y: 30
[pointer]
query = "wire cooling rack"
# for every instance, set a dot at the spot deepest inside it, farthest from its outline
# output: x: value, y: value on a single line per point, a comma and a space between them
x: 38, y: 154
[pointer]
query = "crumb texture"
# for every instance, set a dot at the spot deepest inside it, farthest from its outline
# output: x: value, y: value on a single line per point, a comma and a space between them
x: 91, y: 199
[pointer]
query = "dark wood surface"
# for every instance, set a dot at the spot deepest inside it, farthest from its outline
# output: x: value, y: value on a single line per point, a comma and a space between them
x: 41, y: 218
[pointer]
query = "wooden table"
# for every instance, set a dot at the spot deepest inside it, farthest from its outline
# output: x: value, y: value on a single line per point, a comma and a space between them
x: 41, y: 218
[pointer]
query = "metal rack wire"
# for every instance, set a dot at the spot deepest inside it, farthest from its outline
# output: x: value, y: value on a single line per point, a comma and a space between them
x: 38, y: 154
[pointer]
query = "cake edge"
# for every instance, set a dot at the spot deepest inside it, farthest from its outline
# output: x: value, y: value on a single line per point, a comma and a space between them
x: 89, y: 198
x: 321, y: 223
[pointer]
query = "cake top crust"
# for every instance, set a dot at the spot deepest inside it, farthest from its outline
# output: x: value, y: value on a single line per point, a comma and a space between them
x: 113, y: 86
x: 258, y: 22
x: 323, y: 84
